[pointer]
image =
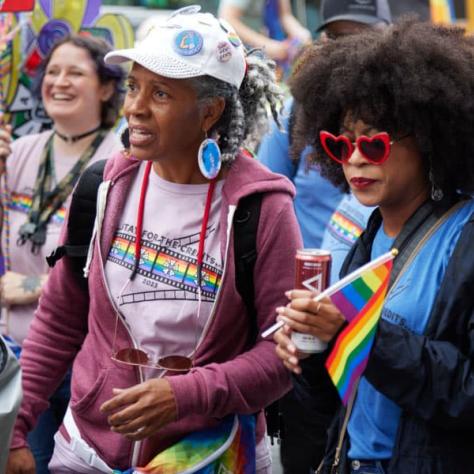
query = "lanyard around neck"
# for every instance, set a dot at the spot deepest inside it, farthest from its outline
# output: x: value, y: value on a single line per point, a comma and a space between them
x: 46, y: 199
x: 139, y: 226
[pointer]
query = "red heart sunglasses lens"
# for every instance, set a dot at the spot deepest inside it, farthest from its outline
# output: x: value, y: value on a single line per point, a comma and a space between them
x: 375, y: 149
x: 338, y: 148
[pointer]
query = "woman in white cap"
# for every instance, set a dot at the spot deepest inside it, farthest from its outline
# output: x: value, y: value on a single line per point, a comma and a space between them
x: 164, y: 345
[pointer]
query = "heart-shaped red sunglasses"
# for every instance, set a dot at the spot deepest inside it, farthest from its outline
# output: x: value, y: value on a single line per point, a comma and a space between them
x: 375, y: 149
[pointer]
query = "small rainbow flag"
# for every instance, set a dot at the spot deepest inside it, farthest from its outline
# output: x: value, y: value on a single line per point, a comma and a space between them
x: 360, y: 297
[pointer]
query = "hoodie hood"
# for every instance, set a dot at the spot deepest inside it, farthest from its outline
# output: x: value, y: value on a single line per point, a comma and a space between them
x: 246, y: 176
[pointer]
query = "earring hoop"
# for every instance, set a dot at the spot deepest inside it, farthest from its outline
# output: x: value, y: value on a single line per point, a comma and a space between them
x: 209, y: 158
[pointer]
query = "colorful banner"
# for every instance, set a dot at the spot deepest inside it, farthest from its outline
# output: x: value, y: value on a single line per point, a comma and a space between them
x: 16, y: 5
x: 34, y: 35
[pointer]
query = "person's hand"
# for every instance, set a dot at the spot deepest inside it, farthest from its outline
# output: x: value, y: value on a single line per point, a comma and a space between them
x: 5, y: 140
x: 287, y: 351
x: 318, y: 318
x: 19, y: 289
x: 21, y: 461
x: 140, y: 411
x: 277, y: 50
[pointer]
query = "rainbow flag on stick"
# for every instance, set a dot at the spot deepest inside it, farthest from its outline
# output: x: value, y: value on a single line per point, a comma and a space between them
x: 360, y: 297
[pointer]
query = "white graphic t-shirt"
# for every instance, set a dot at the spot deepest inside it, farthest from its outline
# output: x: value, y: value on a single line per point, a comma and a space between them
x: 160, y: 306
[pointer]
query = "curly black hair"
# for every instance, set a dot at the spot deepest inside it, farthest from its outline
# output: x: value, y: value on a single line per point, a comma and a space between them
x: 411, y: 78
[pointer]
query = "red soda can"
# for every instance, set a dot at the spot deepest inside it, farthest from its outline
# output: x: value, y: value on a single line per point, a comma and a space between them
x: 313, y: 270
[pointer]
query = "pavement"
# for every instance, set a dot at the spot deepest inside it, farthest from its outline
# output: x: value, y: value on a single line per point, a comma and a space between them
x: 276, y: 466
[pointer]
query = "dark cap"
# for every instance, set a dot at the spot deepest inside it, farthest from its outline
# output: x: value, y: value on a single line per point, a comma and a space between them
x: 368, y: 12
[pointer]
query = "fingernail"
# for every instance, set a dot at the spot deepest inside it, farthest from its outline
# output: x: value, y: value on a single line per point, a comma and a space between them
x: 291, y: 348
x: 280, y: 309
x: 288, y: 294
x: 293, y: 360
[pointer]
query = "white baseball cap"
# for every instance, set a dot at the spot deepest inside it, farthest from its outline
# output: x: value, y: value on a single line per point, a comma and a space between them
x: 189, y: 44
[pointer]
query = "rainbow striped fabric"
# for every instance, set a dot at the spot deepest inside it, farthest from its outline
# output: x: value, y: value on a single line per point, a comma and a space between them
x: 226, y: 448
x: 159, y: 262
x: 360, y: 301
x: 344, y: 228
x: 22, y: 203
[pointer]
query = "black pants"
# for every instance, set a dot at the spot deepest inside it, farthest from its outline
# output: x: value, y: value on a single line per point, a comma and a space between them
x: 304, y: 440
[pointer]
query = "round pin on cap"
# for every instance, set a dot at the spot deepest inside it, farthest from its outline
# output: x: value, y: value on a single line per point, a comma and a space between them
x: 188, y: 43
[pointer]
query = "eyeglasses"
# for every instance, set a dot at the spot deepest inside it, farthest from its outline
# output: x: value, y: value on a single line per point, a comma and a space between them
x: 140, y: 357
x: 375, y: 149
x: 172, y: 363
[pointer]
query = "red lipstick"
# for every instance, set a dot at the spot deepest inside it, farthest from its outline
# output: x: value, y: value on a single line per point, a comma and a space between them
x: 361, y: 183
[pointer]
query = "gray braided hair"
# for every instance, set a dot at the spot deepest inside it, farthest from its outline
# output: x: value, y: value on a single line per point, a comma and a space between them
x: 245, y: 117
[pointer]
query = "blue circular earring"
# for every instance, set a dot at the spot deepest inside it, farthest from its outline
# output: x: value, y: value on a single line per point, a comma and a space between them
x: 209, y: 158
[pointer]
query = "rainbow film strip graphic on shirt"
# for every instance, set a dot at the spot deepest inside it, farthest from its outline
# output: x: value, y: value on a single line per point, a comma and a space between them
x: 165, y: 265
x: 22, y: 203
x: 343, y: 228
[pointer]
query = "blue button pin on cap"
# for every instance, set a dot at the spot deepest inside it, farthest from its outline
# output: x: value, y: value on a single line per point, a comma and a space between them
x: 188, y: 43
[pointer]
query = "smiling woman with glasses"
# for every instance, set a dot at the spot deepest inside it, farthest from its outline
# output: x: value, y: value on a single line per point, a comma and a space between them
x: 390, y: 118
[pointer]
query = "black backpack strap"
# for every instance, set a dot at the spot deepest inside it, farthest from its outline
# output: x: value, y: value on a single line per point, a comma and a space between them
x: 81, y: 220
x: 245, y: 253
x: 246, y: 219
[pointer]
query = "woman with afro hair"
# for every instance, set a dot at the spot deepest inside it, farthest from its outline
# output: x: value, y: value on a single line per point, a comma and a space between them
x: 390, y: 116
